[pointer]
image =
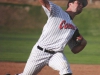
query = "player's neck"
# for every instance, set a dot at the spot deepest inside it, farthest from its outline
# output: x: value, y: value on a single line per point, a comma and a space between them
x: 69, y: 15
x: 72, y: 15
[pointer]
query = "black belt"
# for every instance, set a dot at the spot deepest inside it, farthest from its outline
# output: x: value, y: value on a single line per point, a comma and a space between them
x: 51, y: 52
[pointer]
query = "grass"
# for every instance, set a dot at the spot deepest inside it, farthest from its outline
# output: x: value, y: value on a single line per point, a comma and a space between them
x: 18, y: 47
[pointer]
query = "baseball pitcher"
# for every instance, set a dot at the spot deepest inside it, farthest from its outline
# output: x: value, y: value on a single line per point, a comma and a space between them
x: 59, y: 31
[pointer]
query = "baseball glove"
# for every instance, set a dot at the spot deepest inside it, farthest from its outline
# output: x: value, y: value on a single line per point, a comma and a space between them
x: 77, y: 37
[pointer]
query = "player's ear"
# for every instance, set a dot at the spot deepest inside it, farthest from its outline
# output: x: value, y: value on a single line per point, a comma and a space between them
x: 68, y: 5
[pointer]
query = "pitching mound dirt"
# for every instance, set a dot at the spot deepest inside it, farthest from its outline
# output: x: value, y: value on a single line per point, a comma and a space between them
x: 78, y: 69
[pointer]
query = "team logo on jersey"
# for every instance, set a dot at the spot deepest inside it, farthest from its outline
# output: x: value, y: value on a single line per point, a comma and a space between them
x: 66, y: 25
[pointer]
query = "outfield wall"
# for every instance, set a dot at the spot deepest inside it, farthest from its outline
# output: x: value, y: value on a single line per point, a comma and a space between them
x: 91, y: 3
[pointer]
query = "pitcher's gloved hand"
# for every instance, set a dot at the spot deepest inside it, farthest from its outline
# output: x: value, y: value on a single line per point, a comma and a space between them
x: 77, y: 37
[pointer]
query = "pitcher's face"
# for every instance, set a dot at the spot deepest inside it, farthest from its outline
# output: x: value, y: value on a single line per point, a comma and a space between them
x: 76, y: 7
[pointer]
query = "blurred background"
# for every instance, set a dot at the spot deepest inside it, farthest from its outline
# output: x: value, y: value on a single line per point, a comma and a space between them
x: 21, y: 23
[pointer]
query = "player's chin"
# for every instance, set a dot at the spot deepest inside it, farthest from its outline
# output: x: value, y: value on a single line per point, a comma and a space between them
x: 79, y: 12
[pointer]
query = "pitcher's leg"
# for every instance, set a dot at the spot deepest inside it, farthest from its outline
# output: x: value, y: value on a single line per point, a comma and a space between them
x: 32, y: 68
x: 37, y: 60
x: 59, y: 62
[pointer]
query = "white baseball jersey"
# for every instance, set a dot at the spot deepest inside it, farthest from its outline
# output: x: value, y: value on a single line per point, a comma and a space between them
x: 56, y: 33
x: 58, y: 30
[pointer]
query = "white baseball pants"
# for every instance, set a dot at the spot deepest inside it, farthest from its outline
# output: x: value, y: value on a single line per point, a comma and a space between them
x: 38, y: 59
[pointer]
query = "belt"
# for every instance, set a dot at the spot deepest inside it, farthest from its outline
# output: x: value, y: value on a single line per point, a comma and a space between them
x: 51, y: 52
